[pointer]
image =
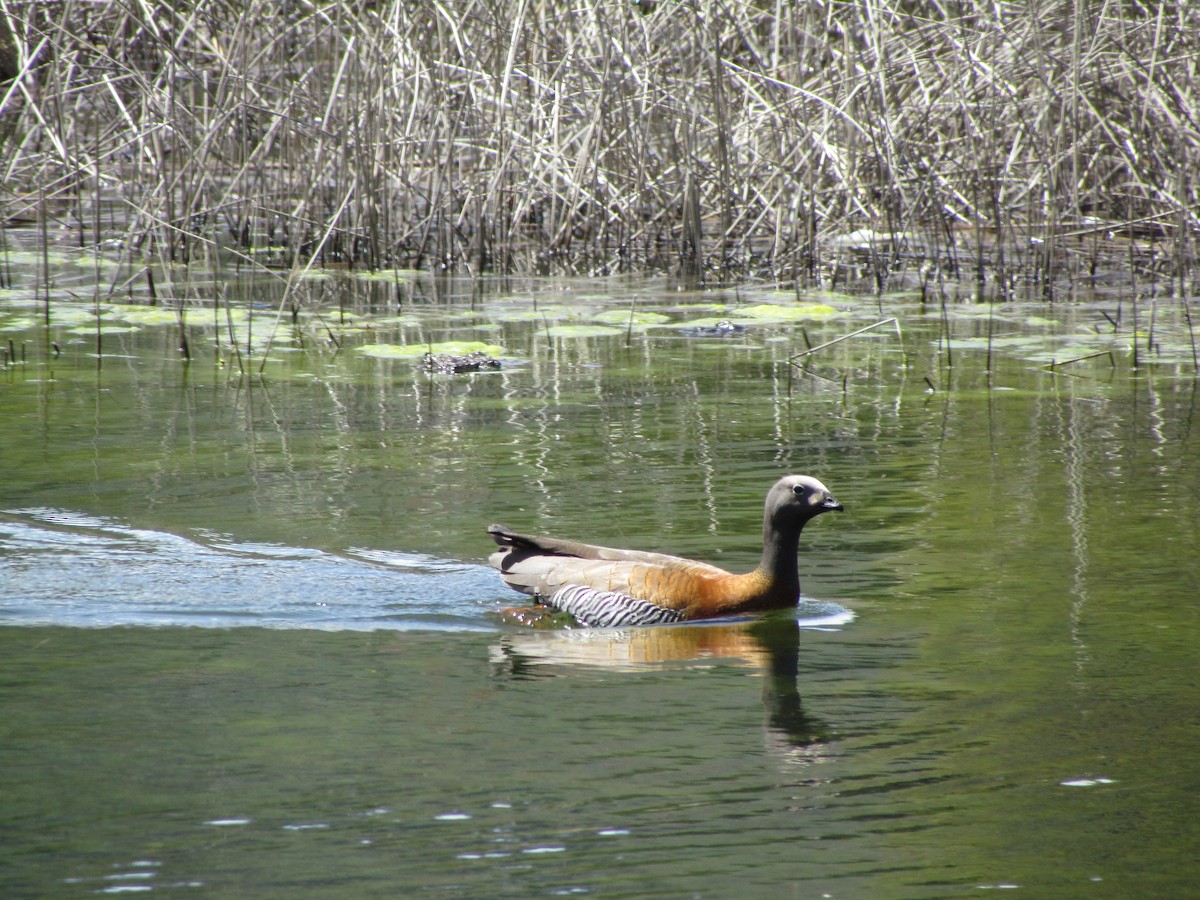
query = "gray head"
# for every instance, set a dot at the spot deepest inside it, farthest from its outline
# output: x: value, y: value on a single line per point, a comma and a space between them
x: 794, y: 499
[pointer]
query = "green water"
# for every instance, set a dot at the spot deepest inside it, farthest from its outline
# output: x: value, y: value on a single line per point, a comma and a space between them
x: 252, y: 648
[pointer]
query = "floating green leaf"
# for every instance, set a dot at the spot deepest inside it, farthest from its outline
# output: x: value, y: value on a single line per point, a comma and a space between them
x: 415, y: 351
x: 384, y: 320
x: 547, y: 312
x: 777, y: 312
x: 791, y: 298
x: 68, y: 316
x: 626, y: 316
x: 701, y: 307
x: 1009, y: 342
x: 90, y: 261
x: 145, y: 315
x: 389, y: 275
x: 37, y: 258
x: 578, y: 331
x: 19, y: 323
x: 103, y: 329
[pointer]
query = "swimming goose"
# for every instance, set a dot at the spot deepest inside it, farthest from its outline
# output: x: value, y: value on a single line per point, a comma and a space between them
x: 606, y: 587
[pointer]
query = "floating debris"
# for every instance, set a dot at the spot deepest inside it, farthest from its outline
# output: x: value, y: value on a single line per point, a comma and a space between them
x: 456, y: 364
x: 722, y: 328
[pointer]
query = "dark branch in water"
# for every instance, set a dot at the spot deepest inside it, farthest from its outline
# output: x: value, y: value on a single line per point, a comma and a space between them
x: 1066, y: 362
x: 891, y: 321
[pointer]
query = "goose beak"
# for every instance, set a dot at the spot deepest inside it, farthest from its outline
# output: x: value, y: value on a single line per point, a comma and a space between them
x: 830, y: 503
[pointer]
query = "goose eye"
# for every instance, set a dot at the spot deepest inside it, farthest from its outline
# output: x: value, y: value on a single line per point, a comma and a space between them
x: 799, y: 490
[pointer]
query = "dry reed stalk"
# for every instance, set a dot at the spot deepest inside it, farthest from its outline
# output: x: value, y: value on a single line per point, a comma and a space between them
x: 837, y: 340
x: 730, y: 138
x: 1112, y: 360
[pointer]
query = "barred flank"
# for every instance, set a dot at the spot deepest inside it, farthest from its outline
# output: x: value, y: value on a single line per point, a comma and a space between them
x: 605, y: 609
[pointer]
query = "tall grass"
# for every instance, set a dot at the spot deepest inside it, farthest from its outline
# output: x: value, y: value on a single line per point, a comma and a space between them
x: 1017, y: 143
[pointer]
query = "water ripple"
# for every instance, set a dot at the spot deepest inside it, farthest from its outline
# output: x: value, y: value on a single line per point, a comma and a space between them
x: 68, y: 569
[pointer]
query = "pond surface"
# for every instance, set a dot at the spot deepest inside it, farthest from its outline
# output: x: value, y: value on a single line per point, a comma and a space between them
x: 253, y: 648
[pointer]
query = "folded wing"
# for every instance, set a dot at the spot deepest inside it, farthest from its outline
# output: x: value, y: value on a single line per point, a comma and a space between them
x: 544, y: 566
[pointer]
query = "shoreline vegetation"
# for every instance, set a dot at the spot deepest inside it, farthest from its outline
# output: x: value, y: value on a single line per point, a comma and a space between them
x: 1024, y: 147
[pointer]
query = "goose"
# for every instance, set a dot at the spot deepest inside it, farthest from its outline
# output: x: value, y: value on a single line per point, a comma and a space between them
x: 607, y: 587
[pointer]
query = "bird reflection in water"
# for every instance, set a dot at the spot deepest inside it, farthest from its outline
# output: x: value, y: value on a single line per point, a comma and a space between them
x: 770, y: 643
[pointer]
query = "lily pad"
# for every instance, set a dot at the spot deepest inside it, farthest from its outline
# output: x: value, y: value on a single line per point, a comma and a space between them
x: 1009, y: 342
x: 37, y: 258
x: 390, y: 275
x: 546, y: 312
x: 222, y: 316
x: 145, y: 315
x: 576, y: 331
x: 625, y: 316
x: 70, y: 316
x: 20, y: 323
x: 90, y: 261
x: 777, y: 312
x: 389, y: 320
x: 259, y: 333
x: 60, y: 317
x: 703, y: 307
x: 418, y: 351
x: 791, y: 298
x: 103, y: 329
x: 839, y: 297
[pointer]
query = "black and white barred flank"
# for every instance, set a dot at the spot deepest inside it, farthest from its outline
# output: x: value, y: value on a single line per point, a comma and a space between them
x: 607, y: 609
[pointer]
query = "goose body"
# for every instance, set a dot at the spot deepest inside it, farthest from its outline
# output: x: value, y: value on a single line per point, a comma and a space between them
x: 608, y: 587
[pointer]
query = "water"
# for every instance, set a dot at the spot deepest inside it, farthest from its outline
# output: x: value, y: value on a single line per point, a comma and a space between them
x: 253, y: 648
x: 88, y: 572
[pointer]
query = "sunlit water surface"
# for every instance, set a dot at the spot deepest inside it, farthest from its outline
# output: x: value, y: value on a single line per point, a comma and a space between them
x: 254, y: 649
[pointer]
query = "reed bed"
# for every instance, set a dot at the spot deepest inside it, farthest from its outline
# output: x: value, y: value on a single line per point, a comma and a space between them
x: 1021, y: 144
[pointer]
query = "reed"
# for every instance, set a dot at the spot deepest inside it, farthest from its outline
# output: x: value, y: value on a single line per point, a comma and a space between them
x: 1042, y: 142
